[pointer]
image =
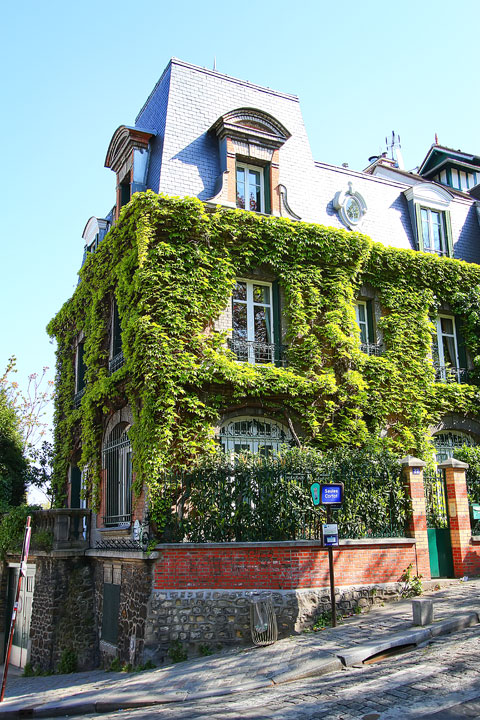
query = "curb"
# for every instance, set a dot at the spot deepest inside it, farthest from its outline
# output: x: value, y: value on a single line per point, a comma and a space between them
x: 327, y: 664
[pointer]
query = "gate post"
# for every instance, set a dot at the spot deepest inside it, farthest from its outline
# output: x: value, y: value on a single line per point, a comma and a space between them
x: 458, y: 514
x: 417, y: 526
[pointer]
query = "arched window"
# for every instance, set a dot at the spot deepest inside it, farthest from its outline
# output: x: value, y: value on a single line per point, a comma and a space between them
x: 255, y: 435
x: 117, y: 462
x: 448, y: 440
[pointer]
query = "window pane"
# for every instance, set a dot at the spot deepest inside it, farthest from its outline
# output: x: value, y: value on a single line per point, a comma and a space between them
x: 262, y: 324
x: 261, y: 294
x: 240, y: 290
x: 447, y: 326
x: 425, y: 233
x: 436, y: 231
x: 239, y: 321
x: 254, y: 190
x: 241, y: 188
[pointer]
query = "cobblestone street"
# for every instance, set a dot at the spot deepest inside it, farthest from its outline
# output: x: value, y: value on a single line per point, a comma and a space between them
x: 444, y: 676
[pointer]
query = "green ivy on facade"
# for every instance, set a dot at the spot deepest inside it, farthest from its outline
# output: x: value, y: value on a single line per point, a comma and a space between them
x: 171, y: 264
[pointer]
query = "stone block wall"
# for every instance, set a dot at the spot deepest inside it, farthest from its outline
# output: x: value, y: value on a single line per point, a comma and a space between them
x: 63, y: 616
x: 134, y: 579
x: 211, y: 619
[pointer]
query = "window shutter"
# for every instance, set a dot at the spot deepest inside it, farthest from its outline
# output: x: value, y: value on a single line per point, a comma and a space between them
x: 80, y: 367
x: 462, y: 352
x: 111, y: 607
x: 75, y: 485
x: 117, y: 332
x: 448, y: 233
x: 418, y: 226
x: 277, y: 323
x: 371, y: 335
x: 266, y: 188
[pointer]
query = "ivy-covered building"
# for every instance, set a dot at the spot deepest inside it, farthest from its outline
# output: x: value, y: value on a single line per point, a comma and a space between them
x: 242, y: 296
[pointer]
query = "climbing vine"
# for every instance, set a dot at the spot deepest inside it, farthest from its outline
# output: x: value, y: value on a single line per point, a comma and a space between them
x: 170, y: 264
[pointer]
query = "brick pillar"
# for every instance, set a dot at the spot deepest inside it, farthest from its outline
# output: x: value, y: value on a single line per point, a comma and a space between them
x: 458, y: 515
x: 417, y: 526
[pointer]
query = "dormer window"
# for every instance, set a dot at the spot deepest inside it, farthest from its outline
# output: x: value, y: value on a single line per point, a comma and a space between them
x: 127, y: 156
x: 249, y: 143
x: 429, y: 205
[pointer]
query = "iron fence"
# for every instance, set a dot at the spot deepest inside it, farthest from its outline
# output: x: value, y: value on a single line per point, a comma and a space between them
x: 270, y: 502
x: 435, y: 499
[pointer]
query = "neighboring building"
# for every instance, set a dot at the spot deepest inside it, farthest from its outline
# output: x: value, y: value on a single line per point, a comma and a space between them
x: 193, y: 326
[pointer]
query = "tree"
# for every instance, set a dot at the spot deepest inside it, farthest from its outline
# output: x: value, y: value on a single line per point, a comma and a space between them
x: 22, y: 427
x: 13, y: 464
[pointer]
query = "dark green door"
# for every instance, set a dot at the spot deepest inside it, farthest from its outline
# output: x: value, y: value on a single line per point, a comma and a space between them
x: 439, y: 543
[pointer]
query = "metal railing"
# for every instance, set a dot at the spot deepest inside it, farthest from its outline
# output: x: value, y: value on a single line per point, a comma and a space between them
x: 116, y: 362
x: 375, y: 349
x: 258, y: 353
x: 272, y: 503
x: 435, y: 499
x: 61, y: 529
x: 449, y: 374
x: 77, y: 398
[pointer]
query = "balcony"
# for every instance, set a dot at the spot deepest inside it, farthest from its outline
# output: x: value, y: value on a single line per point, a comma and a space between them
x: 77, y: 398
x: 116, y: 362
x: 449, y: 374
x: 61, y: 529
x: 258, y: 353
x: 371, y: 349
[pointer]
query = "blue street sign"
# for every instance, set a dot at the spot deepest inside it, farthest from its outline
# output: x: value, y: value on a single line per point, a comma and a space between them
x: 331, y: 493
x: 315, y: 490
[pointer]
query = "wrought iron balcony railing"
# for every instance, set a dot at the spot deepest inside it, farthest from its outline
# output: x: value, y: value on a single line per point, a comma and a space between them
x: 61, y: 529
x: 77, y: 398
x: 258, y: 353
x: 371, y: 348
x: 449, y: 374
x: 116, y: 362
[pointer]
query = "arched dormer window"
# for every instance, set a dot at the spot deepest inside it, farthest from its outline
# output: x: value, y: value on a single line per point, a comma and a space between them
x: 128, y: 157
x: 249, y: 143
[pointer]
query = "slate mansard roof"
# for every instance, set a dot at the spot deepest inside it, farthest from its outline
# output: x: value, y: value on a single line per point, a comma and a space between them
x: 185, y: 160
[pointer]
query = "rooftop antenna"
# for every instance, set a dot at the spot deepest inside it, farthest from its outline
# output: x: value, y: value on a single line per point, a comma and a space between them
x: 436, y: 139
x: 395, y: 150
x: 214, y: 62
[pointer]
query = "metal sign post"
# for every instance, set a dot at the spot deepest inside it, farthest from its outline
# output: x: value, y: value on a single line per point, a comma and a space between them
x: 330, y: 495
x: 21, y: 575
x: 331, y: 570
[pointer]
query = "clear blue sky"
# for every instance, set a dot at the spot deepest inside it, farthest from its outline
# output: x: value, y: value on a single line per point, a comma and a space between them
x: 73, y: 72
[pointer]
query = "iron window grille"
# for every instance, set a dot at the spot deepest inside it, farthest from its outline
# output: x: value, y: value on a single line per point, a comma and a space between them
x: 117, y: 462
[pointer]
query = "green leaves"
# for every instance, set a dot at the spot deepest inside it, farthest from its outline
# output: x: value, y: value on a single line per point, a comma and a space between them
x: 171, y: 264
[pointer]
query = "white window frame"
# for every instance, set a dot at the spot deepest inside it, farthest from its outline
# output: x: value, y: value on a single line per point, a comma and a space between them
x: 443, y: 252
x: 251, y: 304
x: 444, y: 372
x: 251, y: 168
x: 363, y: 323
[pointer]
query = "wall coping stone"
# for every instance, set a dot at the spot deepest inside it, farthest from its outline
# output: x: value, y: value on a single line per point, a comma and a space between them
x: 280, y: 544
x: 122, y: 554
x: 453, y: 463
x: 410, y: 461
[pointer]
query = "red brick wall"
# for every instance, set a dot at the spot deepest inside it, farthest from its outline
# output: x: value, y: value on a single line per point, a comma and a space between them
x: 278, y: 567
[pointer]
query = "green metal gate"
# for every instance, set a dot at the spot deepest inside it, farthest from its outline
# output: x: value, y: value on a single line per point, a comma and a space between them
x: 439, y: 543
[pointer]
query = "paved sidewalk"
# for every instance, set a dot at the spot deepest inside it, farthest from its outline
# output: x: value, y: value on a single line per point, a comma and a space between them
x: 455, y: 606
